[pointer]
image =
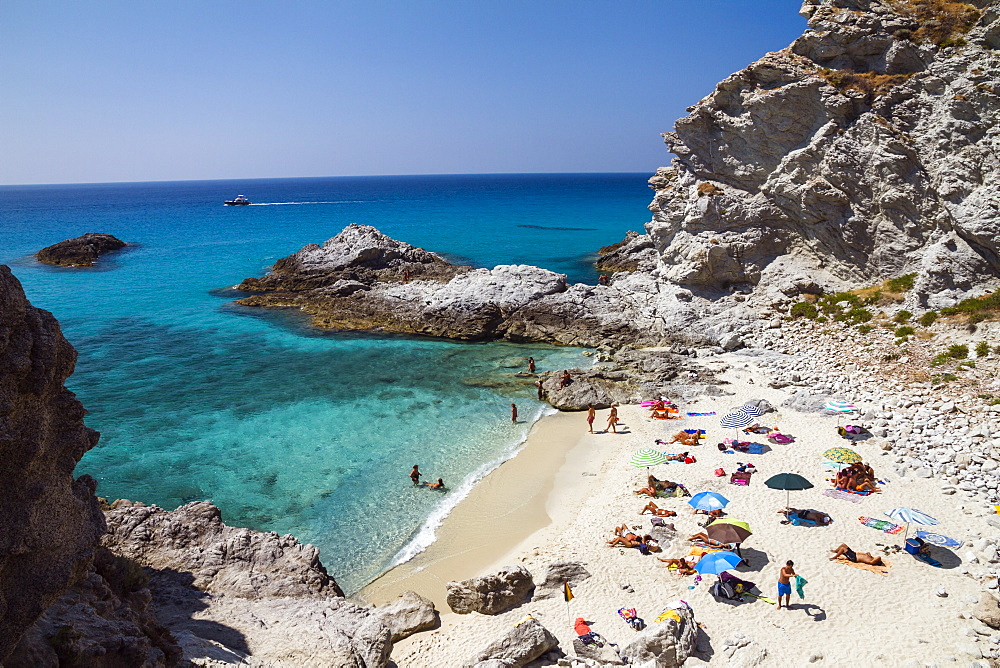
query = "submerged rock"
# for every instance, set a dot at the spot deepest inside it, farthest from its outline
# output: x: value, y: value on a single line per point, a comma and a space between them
x: 81, y: 251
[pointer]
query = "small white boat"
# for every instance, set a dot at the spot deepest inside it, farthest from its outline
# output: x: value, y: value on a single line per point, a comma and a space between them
x: 241, y: 200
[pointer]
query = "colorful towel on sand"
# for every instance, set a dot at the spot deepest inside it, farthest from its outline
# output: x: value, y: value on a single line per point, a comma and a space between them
x: 841, y: 494
x: 881, y: 525
x: 881, y: 570
x: 700, y: 414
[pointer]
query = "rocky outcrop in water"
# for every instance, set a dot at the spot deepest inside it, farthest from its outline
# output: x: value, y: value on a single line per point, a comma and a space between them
x: 49, y: 521
x: 632, y: 253
x: 867, y: 149
x: 81, y: 251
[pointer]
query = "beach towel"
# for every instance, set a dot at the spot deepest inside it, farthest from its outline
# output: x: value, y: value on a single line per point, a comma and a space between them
x: 841, y: 494
x: 800, y: 583
x: 700, y: 414
x: 881, y: 525
x: 881, y: 570
x: 633, y: 619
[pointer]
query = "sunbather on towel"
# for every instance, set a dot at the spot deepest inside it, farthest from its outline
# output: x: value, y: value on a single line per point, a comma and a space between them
x: 857, y: 557
x: 809, y: 515
x: 685, y: 438
x: 676, y: 458
x: 655, y: 486
x: 656, y: 510
x: 683, y: 567
x: 703, y: 538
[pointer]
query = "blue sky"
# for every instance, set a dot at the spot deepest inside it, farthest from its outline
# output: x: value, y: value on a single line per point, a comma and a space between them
x: 143, y: 91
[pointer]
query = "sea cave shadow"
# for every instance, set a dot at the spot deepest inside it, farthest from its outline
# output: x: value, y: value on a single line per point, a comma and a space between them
x: 177, y: 600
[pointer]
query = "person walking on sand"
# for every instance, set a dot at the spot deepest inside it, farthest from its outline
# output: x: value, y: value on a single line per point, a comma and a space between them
x: 513, y: 413
x: 612, y: 419
x: 591, y: 414
x: 785, y: 583
x: 415, y: 475
x: 531, y: 365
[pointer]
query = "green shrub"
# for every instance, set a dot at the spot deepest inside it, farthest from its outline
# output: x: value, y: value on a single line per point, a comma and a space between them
x: 804, y: 310
x: 982, y: 349
x: 977, y: 317
x: 958, y: 351
x: 873, y: 298
x: 984, y: 307
x: 940, y: 358
x: 864, y: 329
x: 821, y: 319
x: 904, y: 331
x: 890, y: 357
x: 859, y: 315
x: 943, y: 378
x: 966, y: 364
x: 901, y: 284
x: 927, y: 319
x: 903, y: 317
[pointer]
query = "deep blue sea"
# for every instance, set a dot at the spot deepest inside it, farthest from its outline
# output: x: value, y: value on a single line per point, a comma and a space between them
x: 286, y: 428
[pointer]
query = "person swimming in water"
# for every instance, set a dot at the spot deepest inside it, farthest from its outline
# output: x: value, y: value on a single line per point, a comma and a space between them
x: 437, y: 485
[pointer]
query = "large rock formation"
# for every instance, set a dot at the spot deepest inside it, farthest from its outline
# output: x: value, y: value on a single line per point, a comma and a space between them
x: 81, y: 251
x: 866, y: 149
x: 49, y: 522
x: 491, y: 594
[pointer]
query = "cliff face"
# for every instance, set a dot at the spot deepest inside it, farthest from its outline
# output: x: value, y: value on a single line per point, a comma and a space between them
x: 49, y: 522
x: 866, y: 149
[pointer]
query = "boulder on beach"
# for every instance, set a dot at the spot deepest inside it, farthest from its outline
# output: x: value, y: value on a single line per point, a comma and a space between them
x: 407, y: 614
x: 521, y: 645
x: 82, y: 251
x: 667, y: 644
x: 491, y: 594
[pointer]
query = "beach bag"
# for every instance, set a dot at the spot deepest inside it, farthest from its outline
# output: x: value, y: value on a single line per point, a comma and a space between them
x: 724, y: 590
x: 690, y: 460
x: 722, y: 447
x: 720, y: 472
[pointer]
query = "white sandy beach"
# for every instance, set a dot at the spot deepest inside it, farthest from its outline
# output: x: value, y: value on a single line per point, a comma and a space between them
x: 849, y: 616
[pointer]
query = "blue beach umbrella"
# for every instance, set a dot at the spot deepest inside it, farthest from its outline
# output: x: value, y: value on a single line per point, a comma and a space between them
x: 708, y: 501
x: 714, y: 563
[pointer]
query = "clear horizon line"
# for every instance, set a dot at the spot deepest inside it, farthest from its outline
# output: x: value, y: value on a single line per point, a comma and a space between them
x: 280, y: 178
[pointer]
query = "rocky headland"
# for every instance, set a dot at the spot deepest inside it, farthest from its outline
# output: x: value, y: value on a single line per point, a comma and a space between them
x: 82, y: 251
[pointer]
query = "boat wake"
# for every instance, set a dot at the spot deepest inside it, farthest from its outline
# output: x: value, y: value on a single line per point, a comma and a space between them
x: 341, y: 201
x: 427, y: 533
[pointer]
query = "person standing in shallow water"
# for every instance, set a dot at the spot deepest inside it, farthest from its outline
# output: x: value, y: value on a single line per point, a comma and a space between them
x: 513, y: 413
x: 531, y: 365
x: 415, y: 475
x: 591, y: 414
x: 541, y: 390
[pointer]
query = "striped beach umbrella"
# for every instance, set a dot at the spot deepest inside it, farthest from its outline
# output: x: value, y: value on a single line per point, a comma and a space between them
x: 911, y: 515
x: 736, y: 420
x: 751, y: 409
x: 843, y: 455
x: 708, y: 501
x: 647, y: 457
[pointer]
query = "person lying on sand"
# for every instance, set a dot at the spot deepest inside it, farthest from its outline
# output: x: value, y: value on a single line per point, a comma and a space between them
x: 675, y: 458
x: 656, y: 510
x: 655, y: 486
x: 856, y: 557
x: 703, y: 537
x: 685, y: 438
x: 718, y: 512
x: 683, y: 567
x: 810, y: 515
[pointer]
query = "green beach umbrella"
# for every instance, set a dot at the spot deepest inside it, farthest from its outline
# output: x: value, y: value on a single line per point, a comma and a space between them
x: 647, y: 457
x: 787, y: 482
x: 843, y: 455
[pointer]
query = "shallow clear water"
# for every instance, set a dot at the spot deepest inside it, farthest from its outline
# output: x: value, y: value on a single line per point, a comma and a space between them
x: 286, y: 428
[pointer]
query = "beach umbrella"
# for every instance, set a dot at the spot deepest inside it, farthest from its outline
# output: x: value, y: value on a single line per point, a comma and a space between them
x: 835, y: 466
x: 647, y: 457
x: 840, y: 407
x: 938, y: 539
x: 843, y: 455
x: 728, y: 532
x: 708, y: 501
x: 909, y: 515
x: 788, y: 482
x: 751, y: 409
x: 736, y: 420
x: 714, y: 563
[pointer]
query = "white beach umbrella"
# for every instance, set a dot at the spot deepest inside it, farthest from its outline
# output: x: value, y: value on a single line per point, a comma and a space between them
x: 751, y: 409
x: 909, y: 515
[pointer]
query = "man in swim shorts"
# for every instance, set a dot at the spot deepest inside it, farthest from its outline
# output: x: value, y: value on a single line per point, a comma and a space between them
x: 591, y: 414
x: 785, y: 583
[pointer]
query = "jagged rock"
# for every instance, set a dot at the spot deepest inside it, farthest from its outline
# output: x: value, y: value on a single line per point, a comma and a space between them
x: 105, y: 620
x: 892, y: 135
x: 494, y: 663
x: 49, y: 522
x: 987, y: 610
x: 559, y: 573
x: 667, y: 644
x: 220, y: 558
x: 490, y: 594
x: 407, y: 614
x: 603, y: 654
x: 81, y: 251
x: 634, y: 251
x: 522, y: 644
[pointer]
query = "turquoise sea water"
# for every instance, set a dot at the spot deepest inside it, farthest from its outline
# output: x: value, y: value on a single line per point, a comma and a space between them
x: 287, y: 428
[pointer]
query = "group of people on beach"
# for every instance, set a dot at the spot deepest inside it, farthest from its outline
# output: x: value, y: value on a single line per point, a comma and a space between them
x: 415, y: 476
x: 612, y: 418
